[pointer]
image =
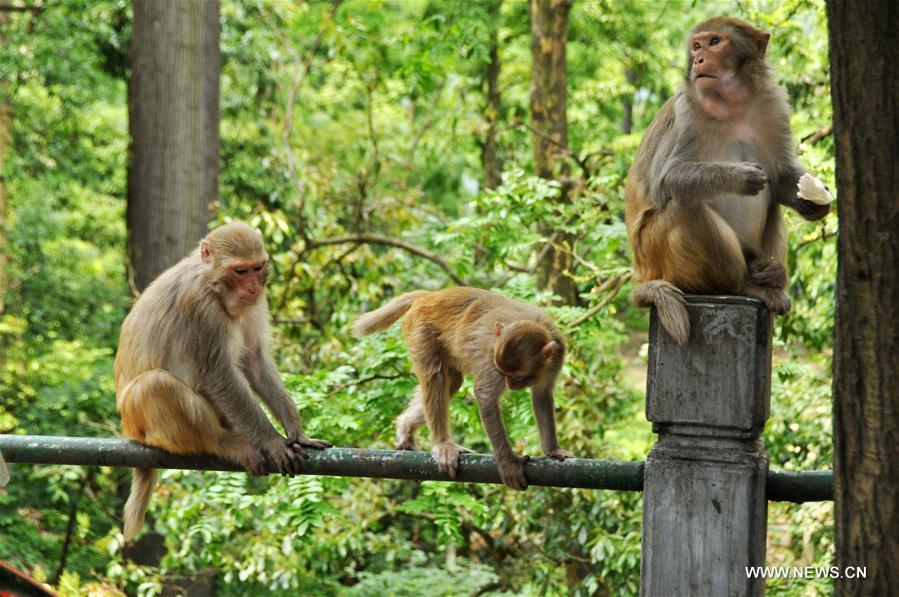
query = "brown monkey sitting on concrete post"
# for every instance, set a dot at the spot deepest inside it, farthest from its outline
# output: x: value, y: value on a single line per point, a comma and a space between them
x: 704, y: 193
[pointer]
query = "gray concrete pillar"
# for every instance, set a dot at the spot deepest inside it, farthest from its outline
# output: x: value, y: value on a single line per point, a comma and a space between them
x: 705, y: 512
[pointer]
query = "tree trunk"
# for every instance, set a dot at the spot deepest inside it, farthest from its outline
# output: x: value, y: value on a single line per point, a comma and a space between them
x: 549, y: 120
x: 173, y: 98
x: 865, y: 93
x: 489, y: 156
x: 4, y: 210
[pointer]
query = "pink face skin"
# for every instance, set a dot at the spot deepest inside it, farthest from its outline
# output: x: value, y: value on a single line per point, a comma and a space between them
x: 246, y: 279
x: 713, y: 74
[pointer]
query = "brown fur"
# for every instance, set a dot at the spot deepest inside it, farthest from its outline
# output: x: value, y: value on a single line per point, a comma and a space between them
x: 191, y: 356
x: 460, y: 331
x: 704, y: 192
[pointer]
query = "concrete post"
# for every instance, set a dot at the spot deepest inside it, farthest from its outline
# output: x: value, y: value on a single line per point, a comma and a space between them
x: 705, y: 512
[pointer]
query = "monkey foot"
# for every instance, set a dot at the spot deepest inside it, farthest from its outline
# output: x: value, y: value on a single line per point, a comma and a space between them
x: 447, y: 456
x: 775, y: 299
x: 253, y: 461
x: 406, y: 443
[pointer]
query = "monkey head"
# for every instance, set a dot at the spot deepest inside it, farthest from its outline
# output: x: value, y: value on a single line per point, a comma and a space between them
x: 521, y: 352
x: 238, y: 263
x: 725, y: 61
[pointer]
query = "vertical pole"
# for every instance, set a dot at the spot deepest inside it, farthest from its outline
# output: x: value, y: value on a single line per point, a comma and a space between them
x: 705, y: 512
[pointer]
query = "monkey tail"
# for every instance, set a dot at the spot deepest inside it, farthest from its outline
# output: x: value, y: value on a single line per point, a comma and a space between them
x: 382, y: 317
x: 136, y: 507
x: 669, y: 302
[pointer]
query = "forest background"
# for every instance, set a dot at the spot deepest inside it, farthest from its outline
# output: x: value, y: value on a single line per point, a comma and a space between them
x: 367, y: 142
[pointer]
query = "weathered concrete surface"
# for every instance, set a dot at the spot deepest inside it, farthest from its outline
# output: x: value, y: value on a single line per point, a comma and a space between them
x: 722, y: 377
x: 704, y: 518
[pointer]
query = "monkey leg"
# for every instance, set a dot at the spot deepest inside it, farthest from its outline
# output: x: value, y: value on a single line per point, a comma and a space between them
x: 693, y: 248
x: 685, y: 249
x: 769, y: 267
x: 768, y: 272
x: 411, y: 419
x: 160, y: 410
x: 775, y: 299
x: 438, y: 383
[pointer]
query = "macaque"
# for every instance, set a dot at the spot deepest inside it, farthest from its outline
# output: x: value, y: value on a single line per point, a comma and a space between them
x: 704, y: 193
x: 501, y: 342
x: 192, y: 354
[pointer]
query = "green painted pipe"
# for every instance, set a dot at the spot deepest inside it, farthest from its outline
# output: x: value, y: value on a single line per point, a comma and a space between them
x: 352, y: 462
x: 341, y: 462
x: 811, y: 486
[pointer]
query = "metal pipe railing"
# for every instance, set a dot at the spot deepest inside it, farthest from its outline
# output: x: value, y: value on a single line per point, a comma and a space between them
x: 385, y: 464
x: 340, y: 462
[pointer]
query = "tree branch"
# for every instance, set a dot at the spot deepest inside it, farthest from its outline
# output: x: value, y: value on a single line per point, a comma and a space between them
x: 19, y: 8
x: 613, y: 285
x: 365, y: 380
x: 813, y: 138
x: 380, y: 239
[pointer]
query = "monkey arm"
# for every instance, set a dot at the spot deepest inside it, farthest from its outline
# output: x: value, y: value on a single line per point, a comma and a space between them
x: 688, y: 181
x: 488, y: 388
x: 265, y: 381
x: 544, y: 413
x: 225, y: 386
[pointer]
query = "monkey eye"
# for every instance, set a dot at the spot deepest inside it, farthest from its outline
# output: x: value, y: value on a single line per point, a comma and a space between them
x: 240, y: 271
x: 696, y: 45
x: 258, y: 269
x: 714, y: 41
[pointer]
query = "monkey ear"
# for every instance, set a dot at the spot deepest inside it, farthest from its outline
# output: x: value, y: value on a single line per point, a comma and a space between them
x: 548, y: 349
x: 761, y: 42
x: 498, y: 329
x: 205, y: 251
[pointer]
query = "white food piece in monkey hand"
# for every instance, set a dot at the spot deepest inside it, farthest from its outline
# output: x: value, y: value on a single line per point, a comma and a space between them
x: 812, y: 189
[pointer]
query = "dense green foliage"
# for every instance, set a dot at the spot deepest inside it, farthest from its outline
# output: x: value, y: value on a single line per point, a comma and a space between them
x: 370, y: 119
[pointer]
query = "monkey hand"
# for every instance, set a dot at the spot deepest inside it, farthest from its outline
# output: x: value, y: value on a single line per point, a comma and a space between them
x: 299, y: 440
x: 750, y: 178
x: 559, y: 454
x: 813, y: 199
x: 511, y: 471
x: 812, y: 189
x: 284, y: 456
x: 769, y: 274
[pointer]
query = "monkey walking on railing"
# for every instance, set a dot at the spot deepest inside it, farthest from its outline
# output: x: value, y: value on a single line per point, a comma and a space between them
x: 192, y: 354
x: 501, y: 342
x: 704, y: 193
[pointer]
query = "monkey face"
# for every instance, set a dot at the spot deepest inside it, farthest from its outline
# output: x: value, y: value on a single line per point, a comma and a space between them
x: 519, y: 379
x: 521, y: 352
x: 520, y: 363
x: 517, y: 383
x: 711, y: 58
x: 246, y: 280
